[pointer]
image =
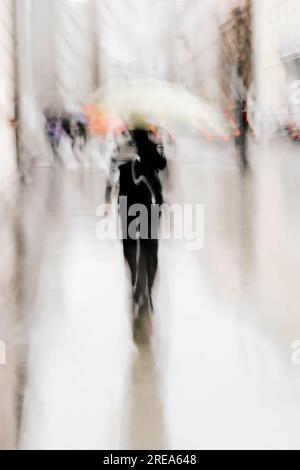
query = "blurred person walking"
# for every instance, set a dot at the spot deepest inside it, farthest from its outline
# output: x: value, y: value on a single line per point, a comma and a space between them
x: 237, y: 72
x: 140, y: 185
x: 241, y: 140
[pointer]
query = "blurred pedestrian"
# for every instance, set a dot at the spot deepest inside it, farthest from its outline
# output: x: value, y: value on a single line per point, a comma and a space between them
x: 54, y: 131
x: 243, y: 125
x: 140, y: 184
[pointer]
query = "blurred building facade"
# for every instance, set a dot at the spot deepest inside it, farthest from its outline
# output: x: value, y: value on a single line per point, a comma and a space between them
x: 134, y: 39
x: 57, y: 64
x: 7, y: 91
x: 56, y: 41
x: 261, y: 37
x: 204, y: 37
x: 67, y: 48
x: 197, y: 45
x: 71, y: 47
x: 277, y: 59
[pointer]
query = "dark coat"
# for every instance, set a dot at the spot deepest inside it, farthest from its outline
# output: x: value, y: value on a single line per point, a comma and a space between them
x: 139, y: 180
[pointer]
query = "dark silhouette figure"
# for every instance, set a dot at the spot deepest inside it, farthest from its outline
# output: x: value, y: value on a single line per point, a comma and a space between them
x: 140, y: 183
x: 67, y: 128
x: 243, y: 124
x: 81, y: 133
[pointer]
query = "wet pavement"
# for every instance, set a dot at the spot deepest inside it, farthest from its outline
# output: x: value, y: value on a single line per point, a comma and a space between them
x: 217, y: 371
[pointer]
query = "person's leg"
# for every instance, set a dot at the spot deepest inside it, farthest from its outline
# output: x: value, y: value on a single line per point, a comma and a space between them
x: 108, y: 191
x: 130, y: 255
x: 140, y: 286
x: 134, y: 254
x: 243, y: 148
x: 152, y: 263
x: 113, y: 178
x: 241, y: 140
x: 54, y: 148
x: 152, y: 252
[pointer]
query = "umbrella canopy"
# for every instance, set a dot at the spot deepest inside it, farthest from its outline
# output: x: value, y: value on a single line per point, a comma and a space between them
x: 101, y: 122
x: 141, y: 103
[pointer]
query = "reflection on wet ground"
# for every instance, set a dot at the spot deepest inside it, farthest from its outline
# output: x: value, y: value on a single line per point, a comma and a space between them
x: 217, y: 372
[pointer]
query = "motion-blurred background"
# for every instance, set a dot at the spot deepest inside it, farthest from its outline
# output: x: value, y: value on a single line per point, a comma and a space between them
x: 220, y: 370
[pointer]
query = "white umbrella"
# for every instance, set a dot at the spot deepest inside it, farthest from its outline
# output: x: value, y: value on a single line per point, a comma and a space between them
x: 147, y: 101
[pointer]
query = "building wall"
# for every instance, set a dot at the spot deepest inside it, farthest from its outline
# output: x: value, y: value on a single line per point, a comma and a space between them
x: 55, y: 50
x: 7, y: 92
x: 133, y: 38
x: 8, y: 262
x: 198, y: 45
x: 276, y: 44
x: 74, y: 47
x: 56, y: 66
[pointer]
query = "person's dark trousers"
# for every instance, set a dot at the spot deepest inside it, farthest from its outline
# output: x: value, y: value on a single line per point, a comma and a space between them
x: 150, y: 248
x: 142, y: 258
